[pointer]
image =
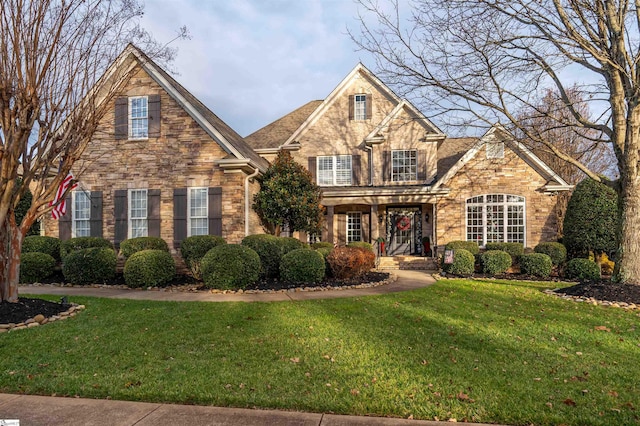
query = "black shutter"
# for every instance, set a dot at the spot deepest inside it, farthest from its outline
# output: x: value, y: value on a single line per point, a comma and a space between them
x: 356, y: 170
x: 386, y: 166
x: 368, y: 103
x: 153, y: 212
x: 120, y: 212
x: 95, y: 218
x: 352, y: 103
x: 121, y: 129
x: 154, y: 116
x: 64, y: 223
x: 313, y: 169
x: 422, y: 164
x: 179, y: 216
x: 215, y: 211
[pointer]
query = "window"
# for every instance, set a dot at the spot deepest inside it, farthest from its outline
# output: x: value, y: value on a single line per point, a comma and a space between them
x: 496, y: 218
x: 404, y: 165
x: 81, y: 209
x: 334, y: 170
x: 198, y: 208
x: 354, y: 226
x: 360, y: 107
x: 138, y: 117
x: 495, y: 149
x: 138, y: 225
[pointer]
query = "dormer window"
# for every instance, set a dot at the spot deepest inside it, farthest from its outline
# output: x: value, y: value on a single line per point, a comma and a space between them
x: 138, y: 117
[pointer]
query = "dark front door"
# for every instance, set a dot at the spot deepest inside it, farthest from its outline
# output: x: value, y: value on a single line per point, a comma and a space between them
x: 404, y: 231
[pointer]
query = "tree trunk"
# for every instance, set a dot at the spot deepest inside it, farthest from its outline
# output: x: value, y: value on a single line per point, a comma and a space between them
x: 627, y: 269
x: 10, y: 248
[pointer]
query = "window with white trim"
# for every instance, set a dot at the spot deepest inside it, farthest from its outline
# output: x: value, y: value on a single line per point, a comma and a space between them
x: 138, y: 223
x: 198, y: 208
x: 496, y: 218
x: 354, y: 227
x: 495, y: 149
x: 138, y: 117
x: 360, y: 107
x: 334, y: 170
x: 81, y: 214
x: 404, y: 165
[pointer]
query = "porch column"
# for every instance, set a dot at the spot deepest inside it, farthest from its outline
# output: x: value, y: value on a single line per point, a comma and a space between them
x: 330, y: 224
x: 375, y: 226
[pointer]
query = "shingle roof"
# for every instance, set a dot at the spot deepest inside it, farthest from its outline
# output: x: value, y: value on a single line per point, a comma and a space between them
x: 451, y: 150
x: 223, y: 128
x: 275, y: 134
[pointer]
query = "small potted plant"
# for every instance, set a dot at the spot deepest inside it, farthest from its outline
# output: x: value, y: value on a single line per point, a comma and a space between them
x: 381, y: 241
x: 426, y: 243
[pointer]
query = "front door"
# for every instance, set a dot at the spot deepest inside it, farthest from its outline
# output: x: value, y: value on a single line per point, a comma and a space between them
x: 404, y: 231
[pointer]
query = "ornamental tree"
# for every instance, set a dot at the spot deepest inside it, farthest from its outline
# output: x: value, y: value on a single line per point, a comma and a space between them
x: 288, y: 197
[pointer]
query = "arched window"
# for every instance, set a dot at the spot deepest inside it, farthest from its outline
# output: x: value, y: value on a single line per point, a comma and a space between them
x: 494, y: 218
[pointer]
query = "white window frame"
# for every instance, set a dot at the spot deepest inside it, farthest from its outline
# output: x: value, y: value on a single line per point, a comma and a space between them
x: 76, y: 220
x: 360, y: 107
x: 412, y: 159
x: 494, y: 149
x: 145, y: 133
x: 511, y: 229
x: 334, y: 176
x: 145, y: 218
x: 354, y: 218
x: 190, y: 217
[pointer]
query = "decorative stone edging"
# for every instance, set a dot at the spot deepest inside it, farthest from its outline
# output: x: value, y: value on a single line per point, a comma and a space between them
x: 41, y: 319
x: 593, y: 301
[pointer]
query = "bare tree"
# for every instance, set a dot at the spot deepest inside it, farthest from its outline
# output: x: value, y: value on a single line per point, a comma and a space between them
x: 481, y: 62
x: 52, y: 55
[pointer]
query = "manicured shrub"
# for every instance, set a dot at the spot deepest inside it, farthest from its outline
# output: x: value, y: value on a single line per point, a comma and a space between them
x: 42, y: 244
x: 495, y: 261
x: 288, y: 244
x: 80, y: 243
x: 230, y: 267
x: 269, y: 250
x: 515, y: 250
x: 302, y: 266
x: 536, y: 264
x: 361, y: 244
x: 463, y: 263
x: 582, y: 269
x: 321, y: 244
x: 556, y: 251
x: 350, y: 262
x: 35, y: 266
x: 324, y: 251
x: 89, y: 266
x: 193, y: 249
x: 470, y: 246
x: 149, y: 268
x: 134, y: 245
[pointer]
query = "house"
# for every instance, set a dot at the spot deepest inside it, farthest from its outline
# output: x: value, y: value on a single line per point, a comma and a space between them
x: 160, y: 164
x: 387, y: 171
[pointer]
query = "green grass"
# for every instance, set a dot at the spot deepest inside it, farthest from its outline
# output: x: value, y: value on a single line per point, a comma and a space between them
x: 483, y: 351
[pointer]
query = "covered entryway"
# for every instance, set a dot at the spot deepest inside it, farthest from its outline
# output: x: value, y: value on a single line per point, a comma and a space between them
x: 404, y: 231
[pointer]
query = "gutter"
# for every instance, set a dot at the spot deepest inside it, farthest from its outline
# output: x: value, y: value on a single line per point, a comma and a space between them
x: 247, y: 200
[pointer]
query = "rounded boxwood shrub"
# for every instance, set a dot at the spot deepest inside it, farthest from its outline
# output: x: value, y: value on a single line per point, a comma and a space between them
x: 42, y: 244
x: 495, y: 261
x: 324, y: 251
x: 269, y: 250
x: 515, y: 250
x: 321, y: 244
x: 90, y: 266
x: 463, y: 263
x: 556, y: 251
x: 582, y: 269
x: 230, y: 267
x: 35, y: 266
x: 149, y: 268
x: 536, y: 264
x: 470, y: 246
x: 361, y: 244
x: 302, y: 266
x: 193, y: 249
x: 288, y: 244
x: 80, y: 243
x: 134, y: 245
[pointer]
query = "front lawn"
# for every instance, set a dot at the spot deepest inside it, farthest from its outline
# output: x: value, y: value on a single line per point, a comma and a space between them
x: 483, y: 351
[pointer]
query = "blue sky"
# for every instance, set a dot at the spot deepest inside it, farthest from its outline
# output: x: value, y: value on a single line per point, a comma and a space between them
x: 253, y: 61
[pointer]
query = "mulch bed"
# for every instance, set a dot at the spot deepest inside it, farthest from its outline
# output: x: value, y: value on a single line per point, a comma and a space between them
x: 26, y: 308
x: 606, y: 291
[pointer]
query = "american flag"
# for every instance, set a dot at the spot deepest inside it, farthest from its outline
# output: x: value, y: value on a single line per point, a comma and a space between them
x: 59, y: 203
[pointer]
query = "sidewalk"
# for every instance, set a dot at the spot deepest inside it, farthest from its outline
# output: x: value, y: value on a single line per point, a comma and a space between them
x: 405, y: 280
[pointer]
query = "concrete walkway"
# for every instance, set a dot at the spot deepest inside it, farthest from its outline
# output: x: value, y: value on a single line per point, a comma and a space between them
x: 53, y: 411
x: 404, y: 280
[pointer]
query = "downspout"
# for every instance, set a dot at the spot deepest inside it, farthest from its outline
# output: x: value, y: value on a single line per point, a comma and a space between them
x: 247, y: 201
x: 370, y: 149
